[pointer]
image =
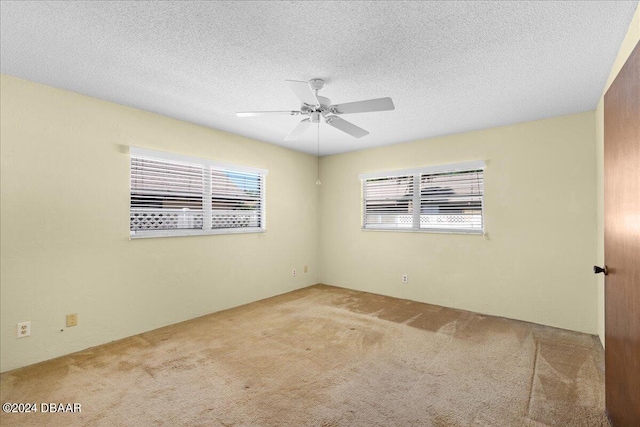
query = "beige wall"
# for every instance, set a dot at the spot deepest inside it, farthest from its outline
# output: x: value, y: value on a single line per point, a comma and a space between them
x: 535, y: 263
x: 632, y: 38
x: 65, y: 235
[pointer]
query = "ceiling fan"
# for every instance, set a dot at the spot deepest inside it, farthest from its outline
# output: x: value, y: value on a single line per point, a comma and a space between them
x: 316, y: 106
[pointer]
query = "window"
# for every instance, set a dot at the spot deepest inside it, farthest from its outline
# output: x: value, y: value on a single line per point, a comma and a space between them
x: 446, y: 198
x: 174, y: 195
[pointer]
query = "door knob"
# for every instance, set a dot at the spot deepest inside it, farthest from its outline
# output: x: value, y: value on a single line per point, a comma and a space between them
x: 597, y: 270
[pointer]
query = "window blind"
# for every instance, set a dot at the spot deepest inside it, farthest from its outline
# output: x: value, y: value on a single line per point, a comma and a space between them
x: 165, y: 195
x: 236, y: 199
x: 446, y: 198
x: 451, y: 201
x: 173, y: 195
x: 389, y: 202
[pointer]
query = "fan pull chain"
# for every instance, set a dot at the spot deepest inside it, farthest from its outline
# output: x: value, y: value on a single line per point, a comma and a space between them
x: 318, y: 180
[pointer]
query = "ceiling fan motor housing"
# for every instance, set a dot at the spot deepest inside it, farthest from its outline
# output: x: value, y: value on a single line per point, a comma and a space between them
x: 323, y: 108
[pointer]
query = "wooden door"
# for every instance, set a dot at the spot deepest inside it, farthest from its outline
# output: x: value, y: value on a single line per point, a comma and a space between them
x: 622, y: 244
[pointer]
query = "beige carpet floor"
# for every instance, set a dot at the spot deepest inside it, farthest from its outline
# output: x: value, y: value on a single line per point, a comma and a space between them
x: 325, y: 356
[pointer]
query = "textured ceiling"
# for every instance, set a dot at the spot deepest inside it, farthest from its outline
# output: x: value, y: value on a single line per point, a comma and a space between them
x: 450, y: 67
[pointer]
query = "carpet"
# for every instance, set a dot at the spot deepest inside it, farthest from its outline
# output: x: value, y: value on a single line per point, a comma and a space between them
x: 325, y: 356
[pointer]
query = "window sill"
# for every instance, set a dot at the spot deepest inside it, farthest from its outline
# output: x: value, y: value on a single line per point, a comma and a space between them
x: 392, y: 230
x: 189, y: 233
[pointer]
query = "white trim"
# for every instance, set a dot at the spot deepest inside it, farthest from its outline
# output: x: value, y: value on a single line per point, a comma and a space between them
x: 416, y: 202
x: 153, y: 154
x: 263, y: 204
x: 452, y: 167
x: 363, y: 204
x: 144, y: 234
x: 207, y: 214
x: 484, y: 224
x: 430, y: 231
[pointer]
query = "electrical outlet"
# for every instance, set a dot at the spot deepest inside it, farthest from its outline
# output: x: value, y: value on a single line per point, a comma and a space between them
x: 24, y: 329
x: 405, y: 278
x: 306, y: 269
x: 72, y: 319
x: 293, y: 272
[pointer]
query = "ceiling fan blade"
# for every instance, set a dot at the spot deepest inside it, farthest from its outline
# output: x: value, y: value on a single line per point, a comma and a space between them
x: 379, y: 104
x: 303, y: 91
x: 346, y: 126
x: 298, y: 130
x: 267, y: 113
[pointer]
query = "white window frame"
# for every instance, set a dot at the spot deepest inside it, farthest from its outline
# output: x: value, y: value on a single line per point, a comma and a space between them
x: 207, y: 210
x: 416, y: 172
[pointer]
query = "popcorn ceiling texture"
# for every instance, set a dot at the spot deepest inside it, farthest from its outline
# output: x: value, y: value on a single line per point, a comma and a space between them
x: 325, y: 356
x: 450, y: 67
